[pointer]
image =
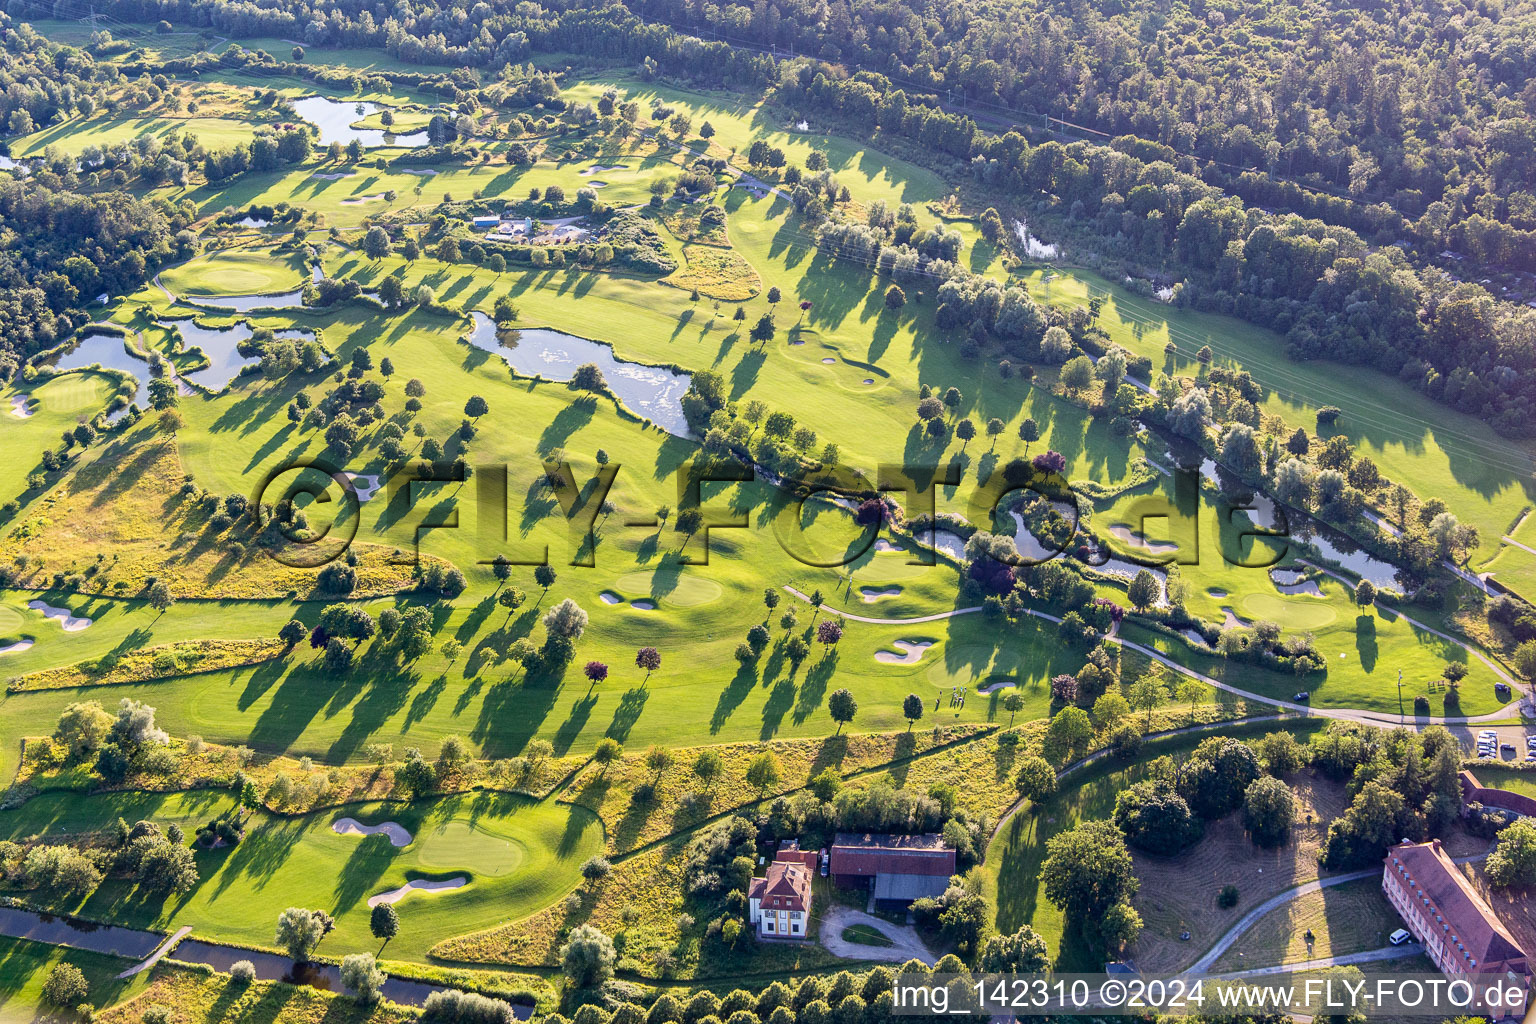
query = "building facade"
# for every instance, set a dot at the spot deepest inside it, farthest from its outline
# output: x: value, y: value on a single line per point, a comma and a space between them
x: 1459, y: 931
x: 779, y: 904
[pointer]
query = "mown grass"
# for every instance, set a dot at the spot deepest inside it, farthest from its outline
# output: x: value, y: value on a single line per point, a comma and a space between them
x: 518, y: 854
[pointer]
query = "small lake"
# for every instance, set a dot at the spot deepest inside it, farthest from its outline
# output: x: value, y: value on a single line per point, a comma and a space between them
x: 335, y: 118
x: 650, y: 391
x: 222, y: 347
x: 111, y: 353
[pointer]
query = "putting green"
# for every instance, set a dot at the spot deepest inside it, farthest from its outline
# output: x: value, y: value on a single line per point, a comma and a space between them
x: 683, y: 592
x: 10, y: 618
x: 477, y: 845
x: 1289, y: 613
x: 254, y: 272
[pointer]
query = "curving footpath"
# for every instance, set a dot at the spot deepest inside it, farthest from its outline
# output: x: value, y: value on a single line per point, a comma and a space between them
x: 1346, y: 714
x: 154, y: 958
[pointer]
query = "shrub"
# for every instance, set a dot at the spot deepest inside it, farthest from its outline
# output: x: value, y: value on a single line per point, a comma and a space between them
x: 1227, y: 898
x: 66, y: 986
x: 242, y: 971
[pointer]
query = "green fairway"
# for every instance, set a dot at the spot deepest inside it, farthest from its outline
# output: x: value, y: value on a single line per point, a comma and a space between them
x: 517, y: 855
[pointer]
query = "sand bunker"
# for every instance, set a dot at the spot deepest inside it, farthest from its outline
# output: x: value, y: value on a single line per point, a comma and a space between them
x: 869, y: 380
x: 599, y: 169
x: 1130, y: 536
x: 398, y: 836
x: 1231, y: 618
x: 912, y: 652
x: 881, y: 544
x: 1293, y: 581
x: 21, y: 406
x: 332, y: 177
x: 597, y: 184
x: 419, y: 885
x: 19, y: 645
x: 644, y: 606
x: 355, y: 200
x: 869, y: 595
x: 71, y: 623
x: 365, y: 485
x: 1216, y: 592
x: 609, y: 597
x: 995, y: 685
x: 828, y: 359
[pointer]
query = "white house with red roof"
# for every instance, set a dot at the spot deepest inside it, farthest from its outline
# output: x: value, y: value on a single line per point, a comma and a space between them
x: 779, y: 903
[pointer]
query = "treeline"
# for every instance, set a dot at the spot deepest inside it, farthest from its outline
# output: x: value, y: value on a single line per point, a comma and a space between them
x: 1317, y: 104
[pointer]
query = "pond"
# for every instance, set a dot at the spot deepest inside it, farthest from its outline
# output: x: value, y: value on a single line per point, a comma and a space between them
x: 222, y: 347
x: 111, y: 353
x: 335, y: 118
x: 249, y: 303
x: 650, y: 391
x: 60, y: 930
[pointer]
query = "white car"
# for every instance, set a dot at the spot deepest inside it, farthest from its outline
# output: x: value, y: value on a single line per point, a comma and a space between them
x: 1487, y: 734
x: 1400, y: 936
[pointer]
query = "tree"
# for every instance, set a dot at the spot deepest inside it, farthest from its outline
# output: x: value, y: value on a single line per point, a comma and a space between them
x: 476, y: 407
x: 415, y: 775
x: 763, y: 772
x: 648, y: 658
x: 912, y: 709
x: 965, y: 430
x: 995, y: 427
x: 1087, y: 870
x: 1144, y: 591
x: 895, y: 298
x: 1068, y: 732
x: 376, y: 243
x: 1029, y: 433
x: 841, y: 706
x: 565, y: 622
x: 159, y: 597
x: 608, y: 750
x: 510, y: 599
x: 708, y: 766
x: 1146, y: 694
x: 82, y: 729
x: 1035, y: 780
x: 66, y: 987
x: 1013, y: 703
x: 299, y: 931
x: 1155, y: 818
x: 1023, y: 952
x: 1269, y: 811
x: 1077, y: 374
x: 1513, y: 860
x: 1192, y: 691
x: 595, y: 671
x: 544, y: 576
x: 689, y: 521
x: 763, y: 330
x: 587, y: 957
x: 826, y: 784
x: 384, y: 922
x: 1365, y: 593
x: 596, y: 868
x: 361, y: 976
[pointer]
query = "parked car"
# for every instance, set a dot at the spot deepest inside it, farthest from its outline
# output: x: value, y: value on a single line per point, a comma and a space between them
x: 1400, y: 936
x: 1530, y: 755
x: 1302, y: 697
x: 1508, y: 748
x: 1502, y: 690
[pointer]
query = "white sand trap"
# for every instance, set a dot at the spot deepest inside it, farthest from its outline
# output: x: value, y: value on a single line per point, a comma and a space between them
x: 912, y: 652
x: 644, y: 606
x: 597, y: 184
x: 18, y: 646
x: 1232, y: 619
x: 398, y: 836
x: 609, y: 597
x: 1292, y: 581
x: 881, y: 544
x: 1216, y: 592
x: 995, y: 685
x: 365, y: 485
x: 71, y: 623
x: 419, y: 885
x: 332, y: 177
x: 425, y: 172
x: 599, y: 169
x: 869, y: 380
x: 829, y: 359
x: 356, y: 200
x: 21, y: 406
x: 1130, y: 536
x: 869, y: 595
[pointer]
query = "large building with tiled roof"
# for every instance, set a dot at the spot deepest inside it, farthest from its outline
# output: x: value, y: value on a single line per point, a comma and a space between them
x: 779, y: 903
x: 899, y: 869
x: 1459, y: 931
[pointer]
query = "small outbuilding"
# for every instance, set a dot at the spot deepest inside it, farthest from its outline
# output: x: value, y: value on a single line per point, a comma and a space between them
x: 897, y: 869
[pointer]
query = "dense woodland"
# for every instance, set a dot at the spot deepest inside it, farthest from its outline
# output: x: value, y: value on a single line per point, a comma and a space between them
x: 1414, y: 127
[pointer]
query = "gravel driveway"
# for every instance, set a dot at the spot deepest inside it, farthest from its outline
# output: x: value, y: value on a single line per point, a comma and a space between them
x: 905, y: 942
